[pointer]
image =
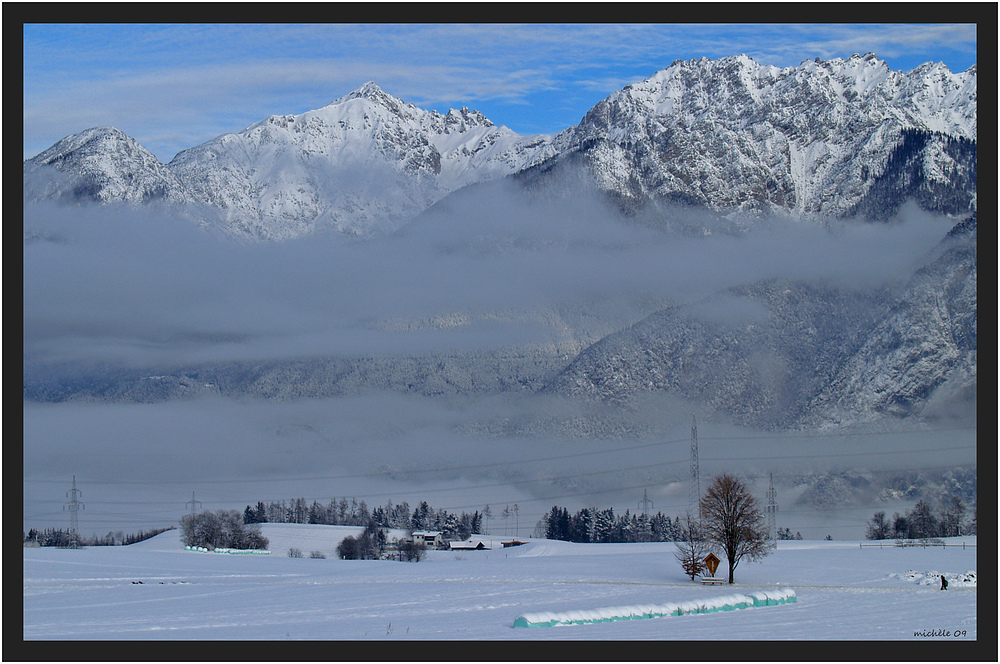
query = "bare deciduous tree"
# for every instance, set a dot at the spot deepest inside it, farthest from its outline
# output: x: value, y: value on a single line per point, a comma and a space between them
x: 732, y: 520
x: 224, y: 528
x: 691, y: 551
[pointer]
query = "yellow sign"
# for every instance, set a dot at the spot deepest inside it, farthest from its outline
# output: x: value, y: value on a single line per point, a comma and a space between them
x: 712, y: 562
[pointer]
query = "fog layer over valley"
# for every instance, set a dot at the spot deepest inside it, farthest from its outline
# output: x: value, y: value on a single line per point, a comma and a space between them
x: 500, y: 348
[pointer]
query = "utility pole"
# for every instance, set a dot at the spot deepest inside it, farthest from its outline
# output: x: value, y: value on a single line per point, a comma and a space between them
x: 73, y: 507
x: 694, y: 488
x: 193, y: 503
x: 772, y: 513
x: 645, y: 504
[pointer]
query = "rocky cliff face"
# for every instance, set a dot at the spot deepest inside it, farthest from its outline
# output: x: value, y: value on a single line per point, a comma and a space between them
x: 920, y: 357
x: 756, y: 354
x: 780, y: 354
x: 733, y: 135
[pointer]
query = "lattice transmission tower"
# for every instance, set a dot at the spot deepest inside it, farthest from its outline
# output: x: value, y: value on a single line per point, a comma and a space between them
x: 194, y: 504
x: 646, y: 532
x: 772, y: 513
x: 73, y: 507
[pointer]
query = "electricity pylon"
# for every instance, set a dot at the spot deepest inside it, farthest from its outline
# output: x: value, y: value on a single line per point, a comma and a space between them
x: 193, y: 503
x: 694, y: 488
x: 772, y: 513
x: 74, y: 506
x: 645, y: 504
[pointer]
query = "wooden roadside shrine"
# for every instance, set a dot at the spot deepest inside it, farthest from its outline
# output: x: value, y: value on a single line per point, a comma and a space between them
x: 712, y: 563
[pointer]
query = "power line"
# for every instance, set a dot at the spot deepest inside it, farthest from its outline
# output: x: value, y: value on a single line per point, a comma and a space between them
x: 759, y: 460
x: 507, y: 483
x: 470, y: 466
x: 645, y: 466
x: 844, y: 454
x: 560, y: 457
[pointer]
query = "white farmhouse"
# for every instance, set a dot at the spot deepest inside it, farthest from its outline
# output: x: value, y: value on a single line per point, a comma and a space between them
x: 430, y: 538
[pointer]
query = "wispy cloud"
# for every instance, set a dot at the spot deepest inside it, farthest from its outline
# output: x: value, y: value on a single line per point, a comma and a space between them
x: 173, y: 86
x: 140, y: 289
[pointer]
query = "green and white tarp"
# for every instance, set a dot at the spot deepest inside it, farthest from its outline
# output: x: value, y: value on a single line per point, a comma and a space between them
x: 643, y: 611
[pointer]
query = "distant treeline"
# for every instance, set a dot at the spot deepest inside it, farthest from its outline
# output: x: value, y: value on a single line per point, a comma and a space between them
x: 587, y: 525
x: 351, y: 512
x: 66, y: 538
x: 922, y: 522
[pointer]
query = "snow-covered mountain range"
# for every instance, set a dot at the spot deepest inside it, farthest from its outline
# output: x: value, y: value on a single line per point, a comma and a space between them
x: 730, y: 134
x: 729, y: 138
x: 362, y: 166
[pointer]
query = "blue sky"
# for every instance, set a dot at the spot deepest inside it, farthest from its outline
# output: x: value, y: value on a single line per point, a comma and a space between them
x: 176, y: 86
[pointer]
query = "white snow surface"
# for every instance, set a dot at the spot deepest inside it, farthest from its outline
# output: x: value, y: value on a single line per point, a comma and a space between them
x: 156, y: 590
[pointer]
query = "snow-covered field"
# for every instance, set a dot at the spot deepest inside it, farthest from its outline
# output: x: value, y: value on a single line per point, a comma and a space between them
x: 158, y: 590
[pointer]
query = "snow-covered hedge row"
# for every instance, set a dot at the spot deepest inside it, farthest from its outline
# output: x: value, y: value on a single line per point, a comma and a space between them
x: 258, y: 552
x: 933, y: 578
x: 642, y: 611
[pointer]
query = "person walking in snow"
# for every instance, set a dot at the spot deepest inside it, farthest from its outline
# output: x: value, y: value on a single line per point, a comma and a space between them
x: 944, y: 583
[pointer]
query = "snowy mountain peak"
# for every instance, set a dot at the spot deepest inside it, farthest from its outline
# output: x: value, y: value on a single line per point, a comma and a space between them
x: 373, y: 93
x: 100, y: 164
x: 466, y: 117
x: 369, y: 89
x: 91, y: 141
x: 361, y: 165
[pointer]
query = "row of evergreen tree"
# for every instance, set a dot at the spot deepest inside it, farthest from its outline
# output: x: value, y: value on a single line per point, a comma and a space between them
x: 903, y: 177
x: 923, y: 521
x: 591, y: 524
x: 66, y: 538
x: 786, y: 534
x: 344, y: 512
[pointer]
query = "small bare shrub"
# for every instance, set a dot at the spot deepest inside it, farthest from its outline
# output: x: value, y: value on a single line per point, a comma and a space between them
x: 410, y: 551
